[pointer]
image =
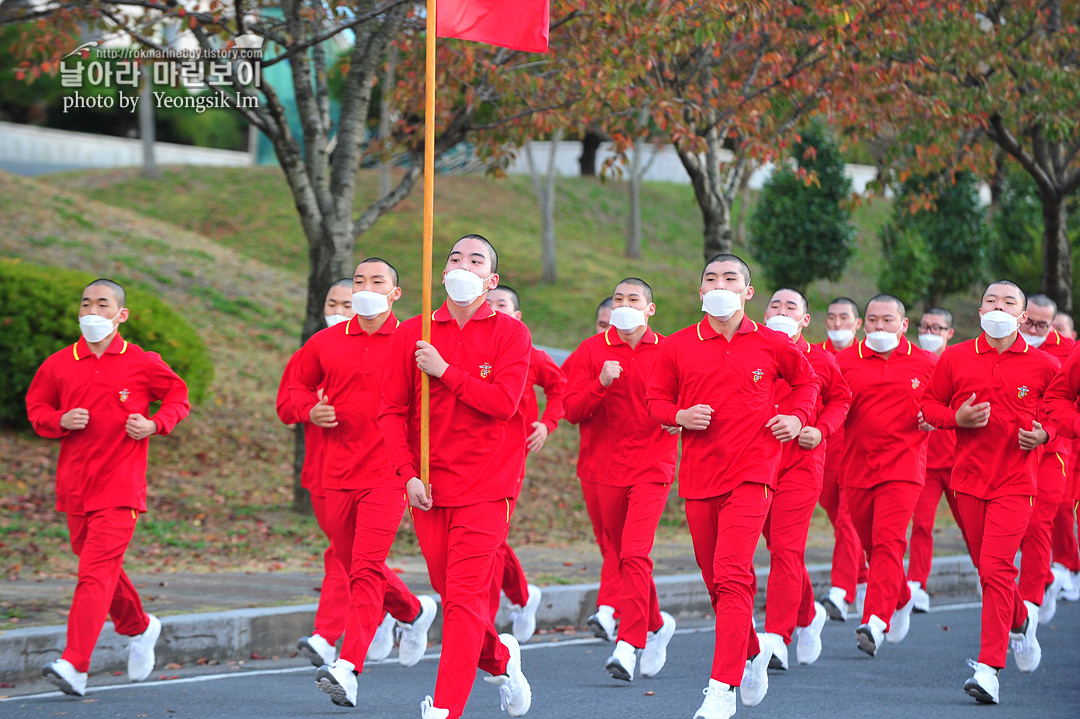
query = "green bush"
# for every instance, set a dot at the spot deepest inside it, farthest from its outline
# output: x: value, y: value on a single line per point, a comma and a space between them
x: 801, y: 233
x: 935, y: 243
x: 39, y: 309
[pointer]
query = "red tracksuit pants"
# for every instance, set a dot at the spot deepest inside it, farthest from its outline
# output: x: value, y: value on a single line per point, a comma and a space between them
x: 881, y: 515
x: 99, y: 539
x: 509, y: 575
x: 789, y: 593
x: 1066, y: 550
x: 459, y: 546
x: 921, y: 544
x: 1036, y: 548
x: 363, y: 524
x: 848, y: 560
x: 725, y: 533
x: 994, y: 530
x: 334, y: 595
x: 630, y: 516
x: 610, y: 589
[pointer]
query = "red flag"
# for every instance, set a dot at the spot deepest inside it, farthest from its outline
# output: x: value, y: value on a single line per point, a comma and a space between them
x: 515, y: 24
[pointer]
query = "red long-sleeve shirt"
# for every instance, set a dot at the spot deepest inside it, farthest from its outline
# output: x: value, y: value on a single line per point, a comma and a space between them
x: 1060, y: 407
x: 883, y: 442
x: 989, y: 462
x: 476, y: 450
x: 347, y: 363
x: 100, y: 467
x: 830, y: 411
x: 697, y: 365
x: 1059, y: 348
x: 543, y: 373
x: 314, y: 446
x: 621, y: 445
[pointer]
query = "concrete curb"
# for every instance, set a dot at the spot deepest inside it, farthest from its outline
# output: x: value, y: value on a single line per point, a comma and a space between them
x: 273, y: 631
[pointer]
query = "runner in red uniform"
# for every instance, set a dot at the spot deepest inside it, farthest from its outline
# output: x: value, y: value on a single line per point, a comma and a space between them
x: 988, y: 390
x: 631, y: 460
x: 791, y: 609
x: 848, y: 572
x: 478, y: 363
x: 544, y: 373
x: 94, y: 396
x: 884, y: 464
x: 716, y: 380
x: 935, y: 331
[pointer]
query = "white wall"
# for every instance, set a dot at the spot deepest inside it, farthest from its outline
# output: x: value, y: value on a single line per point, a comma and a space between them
x: 27, y: 145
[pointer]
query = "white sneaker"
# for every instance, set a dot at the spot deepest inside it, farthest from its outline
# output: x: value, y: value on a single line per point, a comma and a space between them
x: 338, y: 681
x: 836, y: 604
x: 141, y: 657
x: 1024, y: 644
x: 623, y: 661
x: 1070, y: 591
x: 1073, y: 595
x: 719, y: 702
x: 779, y: 658
x: 382, y: 643
x: 654, y: 655
x: 515, y: 694
x: 984, y: 685
x: 414, y: 637
x: 808, y: 643
x: 316, y: 650
x: 603, y: 624
x: 755, y: 678
x: 428, y: 710
x: 922, y: 598
x: 860, y: 597
x: 1048, y: 608
x: 901, y: 623
x: 871, y: 635
x: 62, y: 673
x: 524, y: 619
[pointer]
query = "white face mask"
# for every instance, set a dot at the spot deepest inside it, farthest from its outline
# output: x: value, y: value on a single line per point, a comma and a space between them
x: 1034, y: 340
x: 931, y: 342
x: 841, y: 338
x: 722, y: 304
x: 782, y: 323
x: 332, y: 320
x: 463, y: 287
x: 998, y: 324
x: 627, y: 319
x: 882, y: 341
x: 95, y: 327
x: 369, y: 305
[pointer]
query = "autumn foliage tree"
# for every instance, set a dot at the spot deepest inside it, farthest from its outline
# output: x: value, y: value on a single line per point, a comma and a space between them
x: 1003, y: 72
x: 479, y: 94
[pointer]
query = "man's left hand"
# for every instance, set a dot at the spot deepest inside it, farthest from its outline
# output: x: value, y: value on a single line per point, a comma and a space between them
x: 535, y: 441
x: 139, y: 427
x: 429, y: 360
x: 785, y: 427
x: 1029, y: 440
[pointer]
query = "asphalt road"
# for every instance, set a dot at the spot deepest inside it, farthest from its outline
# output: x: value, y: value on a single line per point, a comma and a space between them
x: 921, y: 677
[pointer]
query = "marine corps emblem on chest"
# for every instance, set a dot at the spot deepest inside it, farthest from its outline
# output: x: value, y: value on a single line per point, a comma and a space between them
x: 915, y: 383
x: 758, y: 374
x: 485, y: 370
x: 1022, y: 391
x: 124, y: 394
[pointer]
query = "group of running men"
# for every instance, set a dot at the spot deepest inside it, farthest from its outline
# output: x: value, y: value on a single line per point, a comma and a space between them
x: 874, y: 429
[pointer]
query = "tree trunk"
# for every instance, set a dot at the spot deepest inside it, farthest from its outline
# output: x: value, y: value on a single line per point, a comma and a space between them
x: 386, y: 181
x: 1057, y: 257
x: 590, y: 144
x: 301, y: 497
x: 150, y: 168
x: 715, y: 206
x: 545, y: 196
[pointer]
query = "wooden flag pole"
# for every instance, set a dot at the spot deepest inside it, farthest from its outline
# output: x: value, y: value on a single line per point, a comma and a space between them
x: 429, y: 222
